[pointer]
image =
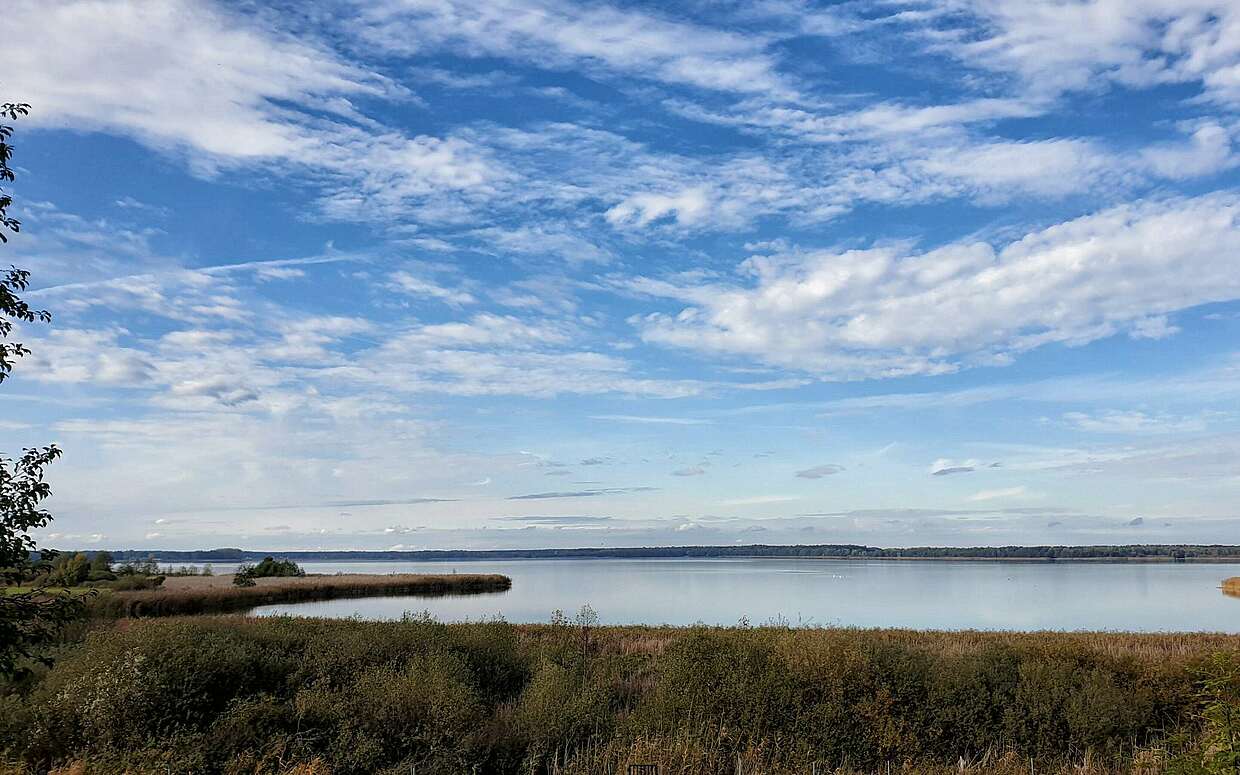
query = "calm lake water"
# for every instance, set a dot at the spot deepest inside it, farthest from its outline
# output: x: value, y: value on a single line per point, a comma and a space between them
x: 859, y: 593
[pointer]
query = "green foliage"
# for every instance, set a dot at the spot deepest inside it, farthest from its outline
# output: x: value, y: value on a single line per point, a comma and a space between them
x: 256, y: 695
x: 188, y: 570
x: 10, y: 111
x: 1220, y: 693
x: 101, y: 562
x: 1216, y: 751
x: 29, y: 621
x: 147, y: 567
x: 269, y: 567
x: 13, y: 281
x: 69, y: 570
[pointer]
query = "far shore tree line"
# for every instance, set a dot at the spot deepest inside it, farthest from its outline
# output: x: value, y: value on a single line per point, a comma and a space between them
x: 841, y: 551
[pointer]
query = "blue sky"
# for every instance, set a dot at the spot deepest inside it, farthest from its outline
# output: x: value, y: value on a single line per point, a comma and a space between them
x: 427, y: 273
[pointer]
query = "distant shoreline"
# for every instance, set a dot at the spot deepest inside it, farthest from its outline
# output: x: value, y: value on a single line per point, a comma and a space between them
x: 1189, y: 553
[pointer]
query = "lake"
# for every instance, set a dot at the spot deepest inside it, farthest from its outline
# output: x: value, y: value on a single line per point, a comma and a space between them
x: 1145, y: 597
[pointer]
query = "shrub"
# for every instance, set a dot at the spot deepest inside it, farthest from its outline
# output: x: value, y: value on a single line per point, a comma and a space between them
x: 269, y: 566
x: 233, y: 694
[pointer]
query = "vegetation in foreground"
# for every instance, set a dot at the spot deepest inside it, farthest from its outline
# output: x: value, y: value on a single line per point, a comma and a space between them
x: 234, y: 694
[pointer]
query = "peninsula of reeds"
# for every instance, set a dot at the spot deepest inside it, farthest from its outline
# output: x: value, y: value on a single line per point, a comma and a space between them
x: 205, y: 595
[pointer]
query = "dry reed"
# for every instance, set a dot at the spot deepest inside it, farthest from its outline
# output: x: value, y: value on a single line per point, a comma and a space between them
x: 211, y: 600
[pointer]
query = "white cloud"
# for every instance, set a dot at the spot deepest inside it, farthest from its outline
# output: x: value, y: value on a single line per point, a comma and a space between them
x: 1007, y: 492
x: 280, y: 273
x: 1055, y: 47
x: 1153, y: 327
x: 760, y: 500
x: 78, y: 356
x: 880, y: 121
x: 543, y: 241
x: 1138, y: 422
x: 650, y: 420
x: 223, y: 88
x: 597, y: 37
x: 177, y: 73
x: 995, y: 170
x: 889, y: 310
x: 948, y: 467
x: 1207, y: 151
x: 483, y: 330
x: 688, y: 208
x: 406, y: 282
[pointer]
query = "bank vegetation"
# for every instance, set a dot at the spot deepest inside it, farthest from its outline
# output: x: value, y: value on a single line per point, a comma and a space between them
x: 285, y: 695
x: 172, y: 599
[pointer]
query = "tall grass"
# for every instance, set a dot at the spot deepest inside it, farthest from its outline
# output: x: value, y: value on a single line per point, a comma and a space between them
x: 235, y: 694
x: 1231, y: 586
x: 224, y: 599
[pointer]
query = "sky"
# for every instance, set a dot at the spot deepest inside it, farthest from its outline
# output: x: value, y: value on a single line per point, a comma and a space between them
x: 529, y: 273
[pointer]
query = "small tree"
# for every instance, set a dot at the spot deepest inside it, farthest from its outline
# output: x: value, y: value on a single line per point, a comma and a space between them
x: 244, y: 577
x: 29, y: 618
x: 101, y: 562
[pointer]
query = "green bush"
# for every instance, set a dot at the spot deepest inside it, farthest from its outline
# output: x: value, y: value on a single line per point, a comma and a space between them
x: 68, y: 570
x: 269, y: 567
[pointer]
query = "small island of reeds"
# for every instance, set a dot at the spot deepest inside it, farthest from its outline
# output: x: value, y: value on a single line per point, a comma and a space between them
x: 1231, y: 586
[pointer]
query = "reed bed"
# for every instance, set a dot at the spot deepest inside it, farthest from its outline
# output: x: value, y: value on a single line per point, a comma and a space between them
x: 202, y: 599
x: 282, y: 695
x: 1231, y: 586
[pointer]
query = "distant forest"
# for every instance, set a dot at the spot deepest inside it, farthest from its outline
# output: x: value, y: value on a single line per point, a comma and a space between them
x: 1049, y: 553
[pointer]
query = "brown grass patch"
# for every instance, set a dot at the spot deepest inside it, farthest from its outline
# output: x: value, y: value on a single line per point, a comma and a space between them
x: 203, y: 595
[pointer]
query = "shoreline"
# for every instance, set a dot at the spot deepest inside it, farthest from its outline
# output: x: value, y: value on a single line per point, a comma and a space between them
x: 1221, y: 553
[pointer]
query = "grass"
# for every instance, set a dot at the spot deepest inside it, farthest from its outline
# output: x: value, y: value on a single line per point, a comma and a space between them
x: 282, y: 695
x: 47, y: 590
x: 188, y: 600
x: 1231, y: 586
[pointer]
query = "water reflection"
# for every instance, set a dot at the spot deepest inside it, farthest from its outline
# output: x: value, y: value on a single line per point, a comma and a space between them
x: 863, y: 593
